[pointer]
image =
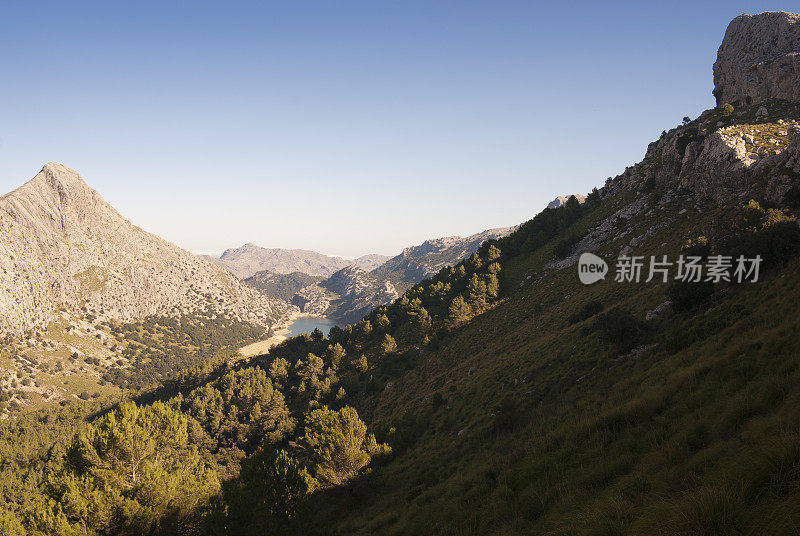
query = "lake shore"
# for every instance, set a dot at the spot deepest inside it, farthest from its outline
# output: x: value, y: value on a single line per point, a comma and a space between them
x: 280, y: 334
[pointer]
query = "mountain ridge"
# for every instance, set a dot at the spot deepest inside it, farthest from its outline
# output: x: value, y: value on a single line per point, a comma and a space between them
x: 418, y: 262
x: 249, y: 259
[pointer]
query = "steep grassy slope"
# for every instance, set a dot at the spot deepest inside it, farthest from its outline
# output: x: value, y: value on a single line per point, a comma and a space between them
x: 523, y: 422
x: 514, y: 399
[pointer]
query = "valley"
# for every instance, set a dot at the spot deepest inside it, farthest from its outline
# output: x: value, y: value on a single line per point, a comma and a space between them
x: 467, y: 385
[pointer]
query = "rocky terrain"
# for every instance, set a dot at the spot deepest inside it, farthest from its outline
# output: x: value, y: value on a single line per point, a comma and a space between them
x: 74, y: 272
x: 561, y: 200
x: 347, y: 295
x: 759, y: 59
x: 247, y: 260
x: 419, y: 262
x: 352, y: 292
x: 62, y: 247
x: 526, y: 404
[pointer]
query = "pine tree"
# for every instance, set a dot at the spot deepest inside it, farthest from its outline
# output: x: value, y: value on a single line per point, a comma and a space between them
x: 270, y: 488
x: 492, y: 285
x: 279, y: 369
x: 255, y: 412
x: 492, y: 254
x: 335, y: 353
x: 10, y: 524
x: 476, y: 292
x: 133, y: 471
x: 422, y: 322
x: 388, y: 345
x: 339, y: 445
x: 382, y: 322
x: 459, y: 311
x: 361, y: 364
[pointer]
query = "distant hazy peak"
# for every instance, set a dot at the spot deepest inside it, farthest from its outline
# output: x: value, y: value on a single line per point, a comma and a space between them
x: 249, y: 259
x: 561, y: 200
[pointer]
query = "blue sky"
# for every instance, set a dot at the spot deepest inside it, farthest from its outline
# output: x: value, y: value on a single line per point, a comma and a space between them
x: 346, y: 127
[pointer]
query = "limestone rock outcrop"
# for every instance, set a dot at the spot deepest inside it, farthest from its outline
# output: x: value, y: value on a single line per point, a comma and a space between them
x: 759, y: 59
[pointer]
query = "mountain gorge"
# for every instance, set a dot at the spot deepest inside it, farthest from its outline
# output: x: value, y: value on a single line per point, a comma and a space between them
x: 497, y: 395
x: 419, y: 262
x: 347, y: 295
x: 352, y: 291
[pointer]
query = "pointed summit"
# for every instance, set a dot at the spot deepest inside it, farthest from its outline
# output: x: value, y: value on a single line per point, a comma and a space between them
x: 59, y: 177
x: 63, y: 247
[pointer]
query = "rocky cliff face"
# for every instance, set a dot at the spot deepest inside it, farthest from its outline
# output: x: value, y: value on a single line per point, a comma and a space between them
x: 247, y: 260
x: 63, y: 247
x: 721, y: 158
x: 759, y: 59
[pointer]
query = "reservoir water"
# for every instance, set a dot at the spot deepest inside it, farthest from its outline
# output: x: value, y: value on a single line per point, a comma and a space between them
x: 307, y: 324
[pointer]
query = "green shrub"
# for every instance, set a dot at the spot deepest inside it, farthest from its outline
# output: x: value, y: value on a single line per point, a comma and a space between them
x: 689, y: 295
x: 620, y: 328
x: 564, y: 246
x: 770, y: 233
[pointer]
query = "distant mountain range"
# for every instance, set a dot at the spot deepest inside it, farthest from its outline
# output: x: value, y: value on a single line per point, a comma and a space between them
x: 247, y: 260
x: 351, y: 292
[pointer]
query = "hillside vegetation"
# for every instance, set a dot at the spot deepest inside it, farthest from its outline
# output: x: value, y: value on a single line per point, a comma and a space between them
x: 499, y: 396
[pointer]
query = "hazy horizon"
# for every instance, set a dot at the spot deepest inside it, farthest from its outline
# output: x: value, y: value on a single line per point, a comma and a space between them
x: 346, y: 129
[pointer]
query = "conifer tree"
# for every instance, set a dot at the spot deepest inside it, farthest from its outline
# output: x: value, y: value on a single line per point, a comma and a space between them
x: 492, y: 285
x: 476, y: 292
x: 382, y: 322
x: 492, y: 254
x: 133, y: 472
x: 335, y: 353
x: 388, y: 345
x: 339, y: 444
x: 459, y: 311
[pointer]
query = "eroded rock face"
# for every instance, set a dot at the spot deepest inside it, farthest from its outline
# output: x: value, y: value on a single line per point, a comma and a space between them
x: 759, y: 59
x: 62, y: 247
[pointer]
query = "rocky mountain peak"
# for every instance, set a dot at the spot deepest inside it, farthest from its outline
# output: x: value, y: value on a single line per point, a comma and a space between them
x: 249, y: 259
x: 62, y: 247
x: 759, y: 59
x: 59, y: 173
x: 55, y: 190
